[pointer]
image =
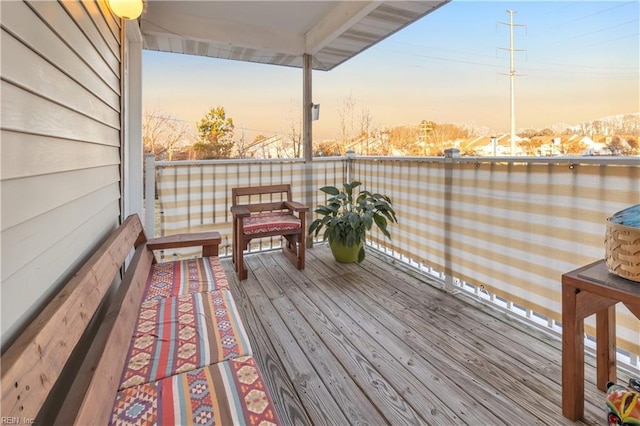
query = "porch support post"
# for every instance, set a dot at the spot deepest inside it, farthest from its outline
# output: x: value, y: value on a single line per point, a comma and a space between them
x: 307, y: 101
x: 150, y: 195
x: 131, y: 120
x: 307, y: 135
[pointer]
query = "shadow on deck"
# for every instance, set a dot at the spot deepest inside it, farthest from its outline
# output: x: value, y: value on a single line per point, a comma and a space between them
x: 373, y: 344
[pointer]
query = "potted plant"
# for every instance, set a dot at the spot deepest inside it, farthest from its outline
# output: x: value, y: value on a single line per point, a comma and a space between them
x: 346, y: 220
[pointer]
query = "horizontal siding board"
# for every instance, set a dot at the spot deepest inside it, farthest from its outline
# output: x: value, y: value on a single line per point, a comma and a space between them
x: 25, y: 155
x: 24, y: 199
x: 106, y: 26
x: 112, y: 20
x: 25, y: 291
x: 49, y: 82
x: 60, y: 115
x: 89, y: 26
x: 30, y: 239
x: 26, y: 112
x: 25, y: 25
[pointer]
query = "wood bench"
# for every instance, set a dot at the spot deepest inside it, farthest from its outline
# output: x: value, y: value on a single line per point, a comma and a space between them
x: 46, y: 374
x: 267, y: 211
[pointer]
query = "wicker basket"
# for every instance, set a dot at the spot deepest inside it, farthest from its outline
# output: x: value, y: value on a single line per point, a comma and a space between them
x: 622, y: 250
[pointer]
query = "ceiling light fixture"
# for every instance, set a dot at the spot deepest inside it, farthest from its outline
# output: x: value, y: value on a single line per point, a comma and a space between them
x: 126, y: 9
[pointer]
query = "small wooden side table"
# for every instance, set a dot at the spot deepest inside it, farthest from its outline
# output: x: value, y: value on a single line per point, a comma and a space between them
x: 585, y: 291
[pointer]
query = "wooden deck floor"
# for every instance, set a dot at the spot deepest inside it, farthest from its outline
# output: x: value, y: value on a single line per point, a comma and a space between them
x: 373, y: 344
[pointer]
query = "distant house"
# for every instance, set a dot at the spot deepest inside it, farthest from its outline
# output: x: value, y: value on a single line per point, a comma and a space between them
x: 491, y: 146
x: 276, y: 146
x: 595, y: 148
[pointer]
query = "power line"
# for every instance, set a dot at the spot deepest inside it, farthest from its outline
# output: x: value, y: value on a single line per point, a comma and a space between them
x: 195, y: 122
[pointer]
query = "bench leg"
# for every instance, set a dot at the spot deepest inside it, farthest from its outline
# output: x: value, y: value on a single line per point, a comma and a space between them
x: 240, y: 269
x: 302, y: 243
x: 234, y: 242
x: 240, y: 246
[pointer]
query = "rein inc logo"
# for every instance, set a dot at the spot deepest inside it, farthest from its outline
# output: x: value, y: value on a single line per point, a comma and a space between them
x: 16, y: 421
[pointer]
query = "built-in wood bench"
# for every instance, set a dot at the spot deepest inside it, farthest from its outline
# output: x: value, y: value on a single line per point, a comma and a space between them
x: 49, y: 375
x: 267, y: 211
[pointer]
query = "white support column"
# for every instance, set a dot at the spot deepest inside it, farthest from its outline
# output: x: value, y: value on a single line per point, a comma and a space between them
x: 307, y: 136
x: 307, y: 101
x: 150, y: 195
x: 132, y: 162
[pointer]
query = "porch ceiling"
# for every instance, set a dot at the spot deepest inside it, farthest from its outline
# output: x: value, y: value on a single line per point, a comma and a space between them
x: 277, y: 32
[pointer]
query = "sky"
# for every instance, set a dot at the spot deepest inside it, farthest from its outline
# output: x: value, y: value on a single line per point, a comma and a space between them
x: 577, y: 61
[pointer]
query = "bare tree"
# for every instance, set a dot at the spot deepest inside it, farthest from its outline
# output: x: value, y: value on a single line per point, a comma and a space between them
x: 365, y: 127
x: 241, y: 144
x: 161, y: 133
x: 346, y: 112
x: 294, y: 124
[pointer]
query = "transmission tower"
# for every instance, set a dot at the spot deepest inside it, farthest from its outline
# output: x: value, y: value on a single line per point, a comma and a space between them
x: 512, y: 76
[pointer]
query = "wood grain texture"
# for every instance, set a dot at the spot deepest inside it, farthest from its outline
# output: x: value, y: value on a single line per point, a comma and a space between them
x: 285, y: 397
x: 93, y: 392
x: 343, y: 375
x: 413, y: 350
x: 31, y: 365
x: 209, y: 241
x: 362, y: 359
x: 319, y: 404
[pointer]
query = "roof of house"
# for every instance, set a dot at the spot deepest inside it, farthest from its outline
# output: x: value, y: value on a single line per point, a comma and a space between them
x: 276, y: 32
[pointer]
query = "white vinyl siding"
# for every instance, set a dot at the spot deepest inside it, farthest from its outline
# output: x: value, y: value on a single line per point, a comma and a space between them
x: 60, y: 159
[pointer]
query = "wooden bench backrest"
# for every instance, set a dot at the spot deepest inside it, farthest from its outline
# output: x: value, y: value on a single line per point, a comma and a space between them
x: 272, y: 194
x: 33, y: 363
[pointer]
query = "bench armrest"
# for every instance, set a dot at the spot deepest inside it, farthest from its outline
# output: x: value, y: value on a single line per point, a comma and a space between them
x: 296, y: 206
x: 240, y: 211
x: 208, y: 240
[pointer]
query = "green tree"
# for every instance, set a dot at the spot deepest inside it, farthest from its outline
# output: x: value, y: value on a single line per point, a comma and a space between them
x: 215, y: 135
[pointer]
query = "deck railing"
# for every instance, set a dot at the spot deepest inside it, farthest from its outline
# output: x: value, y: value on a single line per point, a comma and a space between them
x: 506, y: 227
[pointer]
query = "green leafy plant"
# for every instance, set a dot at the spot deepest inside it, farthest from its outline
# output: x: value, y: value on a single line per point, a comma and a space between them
x: 346, y: 220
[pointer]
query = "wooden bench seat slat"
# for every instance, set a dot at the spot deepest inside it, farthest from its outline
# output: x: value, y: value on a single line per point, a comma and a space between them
x: 92, y: 395
x: 208, y: 240
x: 261, y: 190
x: 32, y: 364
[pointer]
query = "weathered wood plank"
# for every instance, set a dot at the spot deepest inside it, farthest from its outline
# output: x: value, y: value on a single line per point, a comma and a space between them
x: 284, y: 394
x: 326, y: 341
x: 320, y: 405
x: 480, y: 359
x: 93, y: 391
x: 488, y: 358
x: 401, y: 396
x: 539, y: 357
x: 429, y: 346
x: 32, y: 364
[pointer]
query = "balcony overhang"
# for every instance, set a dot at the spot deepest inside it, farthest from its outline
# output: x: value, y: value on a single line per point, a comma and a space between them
x: 277, y: 32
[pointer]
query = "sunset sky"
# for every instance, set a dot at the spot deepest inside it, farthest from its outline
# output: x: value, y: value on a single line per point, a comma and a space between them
x: 580, y: 62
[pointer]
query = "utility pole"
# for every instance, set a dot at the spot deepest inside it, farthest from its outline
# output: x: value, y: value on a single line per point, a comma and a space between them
x: 512, y: 75
x: 426, y: 127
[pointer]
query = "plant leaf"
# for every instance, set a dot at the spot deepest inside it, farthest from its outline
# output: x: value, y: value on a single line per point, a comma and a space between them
x: 331, y: 190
